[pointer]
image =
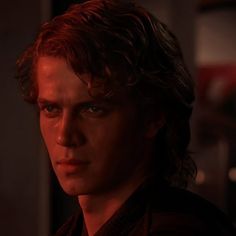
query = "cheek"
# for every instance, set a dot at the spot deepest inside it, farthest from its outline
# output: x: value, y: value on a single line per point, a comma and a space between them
x: 47, y: 133
x: 116, y: 154
x: 115, y: 138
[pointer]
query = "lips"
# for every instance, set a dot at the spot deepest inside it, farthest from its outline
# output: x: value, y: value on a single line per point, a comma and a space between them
x: 72, y: 166
x: 71, y: 161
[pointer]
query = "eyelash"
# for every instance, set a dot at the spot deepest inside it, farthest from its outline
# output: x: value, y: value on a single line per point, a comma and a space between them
x: 88, y: 110
x: 46, y: 109
x: 93, y: 110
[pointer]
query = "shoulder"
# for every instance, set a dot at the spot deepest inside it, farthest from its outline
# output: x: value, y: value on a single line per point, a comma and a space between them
x: 72, y: 226
x: 183, y: 212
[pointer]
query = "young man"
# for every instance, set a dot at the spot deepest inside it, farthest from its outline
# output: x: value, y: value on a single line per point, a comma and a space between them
x: 114, y: 99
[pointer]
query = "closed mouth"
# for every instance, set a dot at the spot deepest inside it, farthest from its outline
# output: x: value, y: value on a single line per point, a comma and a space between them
x: 71, y: 161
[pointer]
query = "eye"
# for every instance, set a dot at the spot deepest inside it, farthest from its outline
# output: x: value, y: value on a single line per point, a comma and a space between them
x: 50, y: 110
x: 92, y: 110
x: 95, y: 109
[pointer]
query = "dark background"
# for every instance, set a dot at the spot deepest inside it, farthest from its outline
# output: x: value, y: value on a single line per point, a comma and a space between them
x: 31, y: 201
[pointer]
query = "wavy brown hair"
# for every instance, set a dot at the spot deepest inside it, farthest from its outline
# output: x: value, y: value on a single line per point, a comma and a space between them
x: 122, y: 45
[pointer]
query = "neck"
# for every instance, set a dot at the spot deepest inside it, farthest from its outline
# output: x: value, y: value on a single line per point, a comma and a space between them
x: 98, y: 208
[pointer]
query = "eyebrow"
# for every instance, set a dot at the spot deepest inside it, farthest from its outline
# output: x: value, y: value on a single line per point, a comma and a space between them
x: 45, y: 101
x: 79, y: 104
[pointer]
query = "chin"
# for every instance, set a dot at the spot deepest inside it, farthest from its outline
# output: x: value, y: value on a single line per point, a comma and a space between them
x: 74, y: 192
x: 71, y: 191
x: 75, y: 187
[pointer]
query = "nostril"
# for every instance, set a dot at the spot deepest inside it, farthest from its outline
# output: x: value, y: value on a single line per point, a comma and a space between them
x: 60, y: 140
x: 66, y: 142
x: 70, y: 139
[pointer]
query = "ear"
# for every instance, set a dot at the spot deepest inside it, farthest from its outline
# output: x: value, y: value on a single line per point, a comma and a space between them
x: 153, y: 125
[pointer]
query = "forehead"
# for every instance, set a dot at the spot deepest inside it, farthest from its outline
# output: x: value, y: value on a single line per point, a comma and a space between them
x: 49, y: 67
x: 56, y: 80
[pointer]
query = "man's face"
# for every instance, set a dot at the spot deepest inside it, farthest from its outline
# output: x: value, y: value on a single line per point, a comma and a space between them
x: 94, y: 145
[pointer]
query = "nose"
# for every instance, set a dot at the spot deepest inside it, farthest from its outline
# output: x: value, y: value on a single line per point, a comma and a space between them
x: 69, y: 133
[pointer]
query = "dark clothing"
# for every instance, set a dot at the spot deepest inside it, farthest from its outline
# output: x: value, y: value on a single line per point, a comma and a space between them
x: 158, y: 211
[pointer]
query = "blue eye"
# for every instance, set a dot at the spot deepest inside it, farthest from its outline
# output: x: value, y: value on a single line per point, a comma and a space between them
x: 93, y: 111
x: 50, y: 110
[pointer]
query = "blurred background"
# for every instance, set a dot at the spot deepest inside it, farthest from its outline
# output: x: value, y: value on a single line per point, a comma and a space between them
x: 31, y: 202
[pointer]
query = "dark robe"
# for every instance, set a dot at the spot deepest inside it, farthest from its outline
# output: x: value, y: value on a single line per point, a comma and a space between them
x: 158, y: 210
